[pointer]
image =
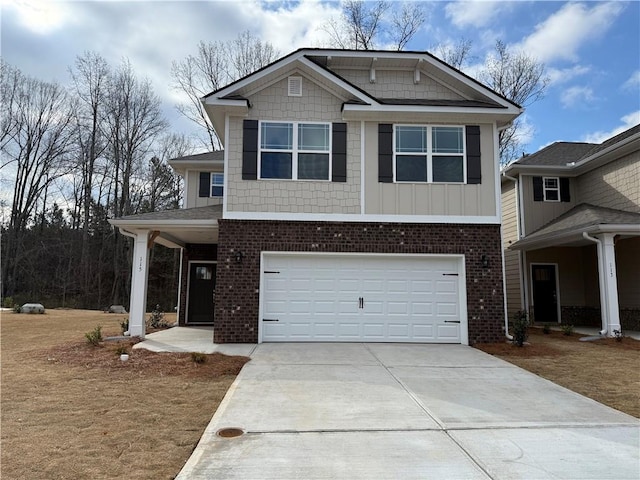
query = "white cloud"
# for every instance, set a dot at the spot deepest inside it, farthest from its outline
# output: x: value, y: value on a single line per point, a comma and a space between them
x: 574, y: 95
x: 39, y: 16
x: 563, y: 75
x: 473, y: 14
x: 633, y: 83
x: 628, y: 121
x: 561, y: 35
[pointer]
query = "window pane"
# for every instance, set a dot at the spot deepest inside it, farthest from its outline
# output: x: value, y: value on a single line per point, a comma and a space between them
x: 550, y: 183
x: 447, y: 169
x: 313, y: 166
x: 276, y: 136
x: 411, y: 168
x: 217, y: 191
x: 275, y: 165
x: 551, y: 195
x: 203, y: 273
x: 411, y: 139
x: 313, y: 137
x: 217, y: 179
x: 447, y: 140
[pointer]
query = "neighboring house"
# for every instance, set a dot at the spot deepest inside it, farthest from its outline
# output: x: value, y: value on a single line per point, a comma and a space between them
x: 571, y: 228
x: 361, y: 202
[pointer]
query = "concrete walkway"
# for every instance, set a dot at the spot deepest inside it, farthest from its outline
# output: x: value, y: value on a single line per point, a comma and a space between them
x: 393, y: 411
x: 191, y: 339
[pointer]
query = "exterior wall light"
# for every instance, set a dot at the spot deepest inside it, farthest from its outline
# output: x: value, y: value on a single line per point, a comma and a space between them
x: 485, y: 261
x: 239, y: 256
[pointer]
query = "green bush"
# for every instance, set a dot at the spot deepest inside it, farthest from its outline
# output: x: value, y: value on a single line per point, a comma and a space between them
x: 7, y: 302
x: 520, y: 326
x: 567, y: 330
x: 94, y: 337
x: 156, y: 319
x: 546, y: 329
x: 618, y: 335
x: 121, y: 349
x: 17, y: 309
x: 198, y: 357
x: 124, y: 325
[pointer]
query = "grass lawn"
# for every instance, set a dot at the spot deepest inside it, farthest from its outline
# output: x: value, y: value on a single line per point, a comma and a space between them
x: 70, y: 410
x: 605, y: 370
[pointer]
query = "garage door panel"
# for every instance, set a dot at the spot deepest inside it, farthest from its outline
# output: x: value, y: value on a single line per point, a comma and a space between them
x: 317, y: 297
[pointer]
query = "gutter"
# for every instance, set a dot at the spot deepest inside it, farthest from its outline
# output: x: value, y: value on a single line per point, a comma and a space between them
x: 504, y: 277
x: 603, y: 297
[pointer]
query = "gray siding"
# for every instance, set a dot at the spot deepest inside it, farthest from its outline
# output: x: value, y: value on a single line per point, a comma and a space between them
x: 537, y: 214
x: 614, y: 185
x: 511, y: 257
x: 191, y: 198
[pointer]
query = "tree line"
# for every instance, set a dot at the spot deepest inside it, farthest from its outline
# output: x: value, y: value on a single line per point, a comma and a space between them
x: 74, y: 155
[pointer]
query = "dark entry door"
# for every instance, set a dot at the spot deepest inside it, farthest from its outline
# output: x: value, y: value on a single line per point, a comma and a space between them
x: 202, y: 285
x: 545, y: 293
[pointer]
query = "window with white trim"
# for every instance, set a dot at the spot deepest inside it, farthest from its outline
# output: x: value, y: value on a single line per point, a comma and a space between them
x: 217, y: 184
x: 295, y: 151
x: 551, y: 189
x: 429, y: 154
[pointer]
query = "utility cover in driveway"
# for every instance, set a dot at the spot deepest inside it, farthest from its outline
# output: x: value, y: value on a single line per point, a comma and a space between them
x: 370, y: 298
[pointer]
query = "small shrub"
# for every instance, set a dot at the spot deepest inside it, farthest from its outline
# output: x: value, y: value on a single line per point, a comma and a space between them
x: 198, y: 357
x: 94, y: 337
x: 124, y: 325
x: 618, y: 335
x: 520, y: 326
x: 156, y: 319
x: 546, y: 329
x: 121, y: 349
x: 8, y: 302
x: 17, y: 309
x: 567, y: 330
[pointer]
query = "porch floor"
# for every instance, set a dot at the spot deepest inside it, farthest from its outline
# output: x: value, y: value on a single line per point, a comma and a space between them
x: 191, y: 339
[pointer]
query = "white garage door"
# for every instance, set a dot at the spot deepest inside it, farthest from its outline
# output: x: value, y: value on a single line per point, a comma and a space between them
x: 362, y: 298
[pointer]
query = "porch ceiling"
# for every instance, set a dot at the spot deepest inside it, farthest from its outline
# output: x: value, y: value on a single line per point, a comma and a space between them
x: 175, y: 228
x: 567, y: 229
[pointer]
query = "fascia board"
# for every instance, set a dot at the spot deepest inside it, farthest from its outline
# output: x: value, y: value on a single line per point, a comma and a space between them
x: 155, y: 224
x: 428, y: 109
x: 552, y: 239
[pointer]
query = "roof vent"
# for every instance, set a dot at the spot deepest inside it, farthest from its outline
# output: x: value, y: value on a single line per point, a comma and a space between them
x: 295, y: 86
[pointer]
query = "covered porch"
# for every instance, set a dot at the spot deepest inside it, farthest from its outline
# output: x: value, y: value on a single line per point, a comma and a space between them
x: 192, y: 230
x: 584, y: 268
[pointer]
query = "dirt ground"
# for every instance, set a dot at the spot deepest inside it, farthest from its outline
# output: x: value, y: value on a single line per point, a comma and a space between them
x: 70, y: 410
x: 605, y: 370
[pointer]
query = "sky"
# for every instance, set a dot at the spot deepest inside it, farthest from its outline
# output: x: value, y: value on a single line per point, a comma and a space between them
x: 591, y: 50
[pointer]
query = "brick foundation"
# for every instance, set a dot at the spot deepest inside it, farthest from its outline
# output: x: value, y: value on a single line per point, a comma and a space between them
x: 237, y: 284
x: 192, y: 252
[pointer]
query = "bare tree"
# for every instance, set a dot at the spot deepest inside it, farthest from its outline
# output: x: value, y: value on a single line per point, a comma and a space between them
x: 519, y: 78
x: 10, y: 83
x: 215, y: 65
x: 366, y: 25
x: 37, y: 148
x: 456, y: 55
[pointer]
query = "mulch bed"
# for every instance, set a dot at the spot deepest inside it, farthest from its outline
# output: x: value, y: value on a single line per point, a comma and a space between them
x: 106, y: 356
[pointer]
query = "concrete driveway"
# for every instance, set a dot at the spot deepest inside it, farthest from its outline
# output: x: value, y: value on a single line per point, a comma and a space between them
x: 392, y: 411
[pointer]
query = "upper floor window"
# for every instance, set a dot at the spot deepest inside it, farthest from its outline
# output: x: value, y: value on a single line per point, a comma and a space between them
x: 295, y: 151
x: 429, y: 154
x: 217, y: 184
x: 211, y: 185
x: 551, y: 189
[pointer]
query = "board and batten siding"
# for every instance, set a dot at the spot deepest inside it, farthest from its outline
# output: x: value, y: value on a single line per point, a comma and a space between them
x: 511, y: 257
x: 614, y: 185
x: 537, y: 214
x: 192, y: 199
x: 430, y: 198
x: 293, y: 196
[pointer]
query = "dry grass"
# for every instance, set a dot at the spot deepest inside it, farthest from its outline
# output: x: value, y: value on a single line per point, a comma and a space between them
x: 73, y: 411
x: 605, y: 370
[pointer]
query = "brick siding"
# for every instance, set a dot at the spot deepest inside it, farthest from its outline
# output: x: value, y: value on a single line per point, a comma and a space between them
x: 237, y: 285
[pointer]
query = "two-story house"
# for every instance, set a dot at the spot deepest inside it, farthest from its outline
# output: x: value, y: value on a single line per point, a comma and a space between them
x: 571, y: 222
x: 357, y: 199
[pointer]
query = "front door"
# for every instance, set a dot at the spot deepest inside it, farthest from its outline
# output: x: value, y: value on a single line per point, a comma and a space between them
x: 202, y: 287
x: 545, y: 293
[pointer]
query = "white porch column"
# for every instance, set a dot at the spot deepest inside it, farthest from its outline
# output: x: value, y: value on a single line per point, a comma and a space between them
x: 139, y: 280
x: 607, y: 271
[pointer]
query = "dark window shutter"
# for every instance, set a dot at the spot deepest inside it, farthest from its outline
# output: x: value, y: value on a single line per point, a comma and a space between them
x: 339, y: 152
x: 249, y: 149
x: 474, y: 169
x: 385, y: 153
x: 565, y: 193
x: 204, y: 189
x: 538, y: 193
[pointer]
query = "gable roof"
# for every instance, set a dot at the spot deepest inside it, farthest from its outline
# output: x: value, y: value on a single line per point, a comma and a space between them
x: 576, y: 158
x: 568, y: 227
x: 358, y: 103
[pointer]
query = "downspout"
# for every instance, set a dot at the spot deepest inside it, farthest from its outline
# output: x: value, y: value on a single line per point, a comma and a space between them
x: 603, y: 296
x: 504, y: 272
